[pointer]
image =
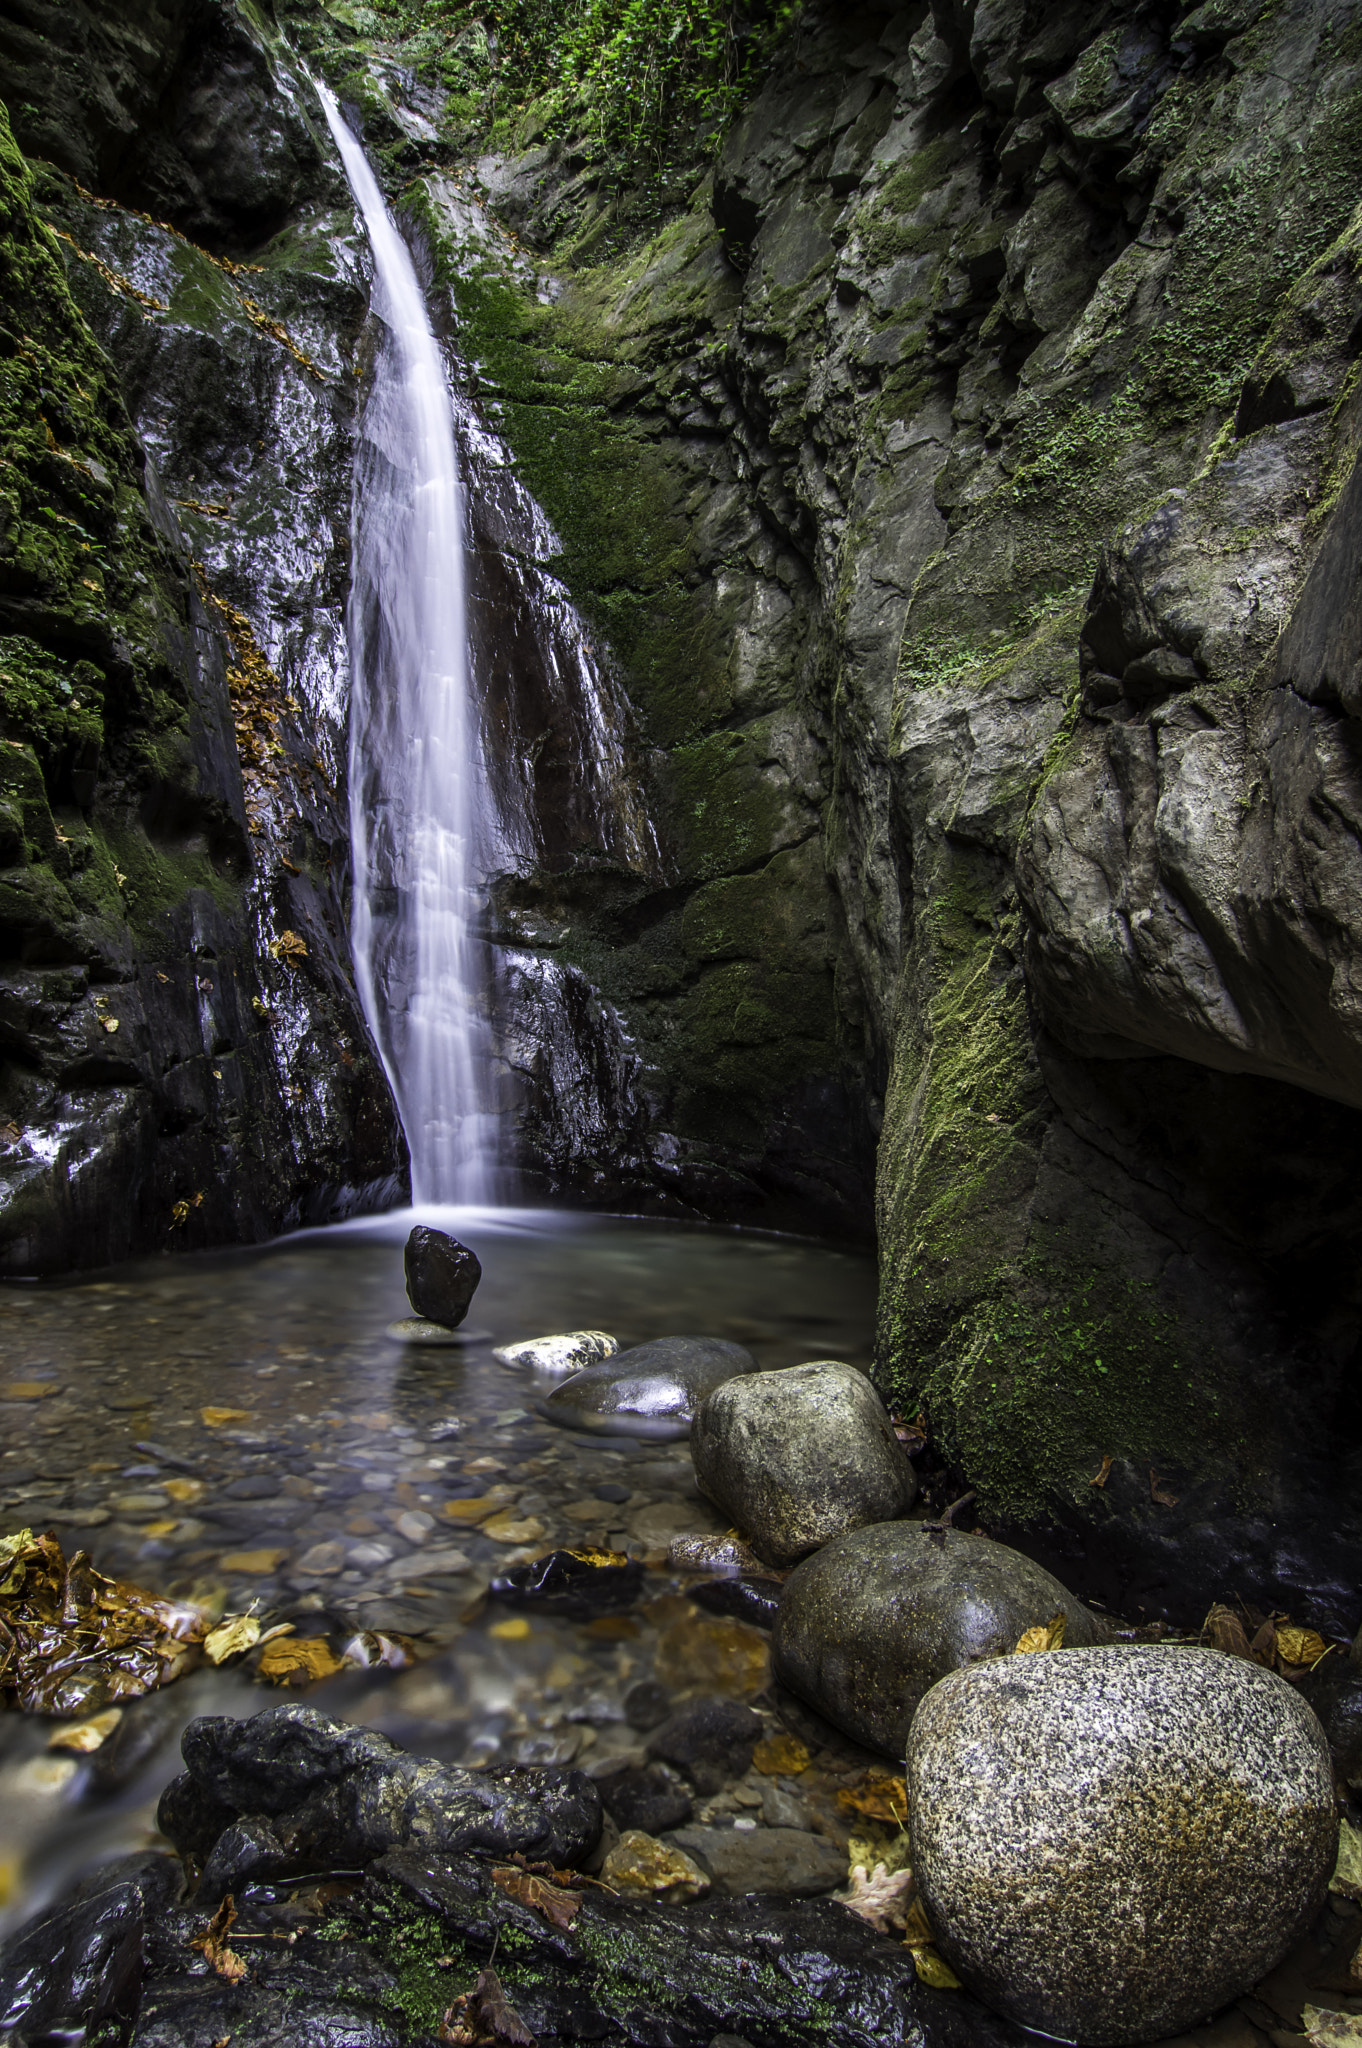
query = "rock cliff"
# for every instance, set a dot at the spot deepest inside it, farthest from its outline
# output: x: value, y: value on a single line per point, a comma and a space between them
x: 950, y: 489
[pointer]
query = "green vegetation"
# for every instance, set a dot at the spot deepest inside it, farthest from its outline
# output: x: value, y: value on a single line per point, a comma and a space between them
x: 636, y: 81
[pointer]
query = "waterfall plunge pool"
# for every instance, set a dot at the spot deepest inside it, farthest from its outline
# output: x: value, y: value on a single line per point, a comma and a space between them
x: 343, y: 1437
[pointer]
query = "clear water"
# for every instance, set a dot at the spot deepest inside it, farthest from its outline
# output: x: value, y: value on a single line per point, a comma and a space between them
x: 343, y: 1433
x: 416, y: 788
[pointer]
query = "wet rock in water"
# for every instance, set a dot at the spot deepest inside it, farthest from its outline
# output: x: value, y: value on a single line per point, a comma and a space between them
x: 874, y: 1619
x: 81, y: 1963
x: 797, y: 1457
x: 578, y: 1584
x: 712, y: 1554
x: 651, y: 1391
x: 643, y: 1798
x: 1113, y: 1843
x: 339, y: 1791
x: 647, y: 1704
x: 246, y: 1852
x: 442, y: 1276
x: 712, y: 1741
x: 748, y: 1599
x: 572, y: 1352
x: 192, y: 1818
x: 637, y: 1863
x: 787, y: 1860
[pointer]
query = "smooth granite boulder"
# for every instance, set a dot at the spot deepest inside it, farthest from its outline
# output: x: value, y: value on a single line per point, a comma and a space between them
x: 1113, y: 1843
x: 442, y: 1276
x: 873, y: 1619
x: 651, y: 1391
x: 795, y: 1458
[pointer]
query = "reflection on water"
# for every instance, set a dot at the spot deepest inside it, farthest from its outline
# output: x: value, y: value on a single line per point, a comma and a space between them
x: 240, y: 1429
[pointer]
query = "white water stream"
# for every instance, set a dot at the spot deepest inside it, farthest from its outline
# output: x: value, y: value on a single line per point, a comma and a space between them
x: 417, y: 802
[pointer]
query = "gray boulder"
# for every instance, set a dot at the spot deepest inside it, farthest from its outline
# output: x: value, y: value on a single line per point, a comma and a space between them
x: 875, y: 1618
x: 442, y: 1276
x: 795, y: 1458
x: 1113, y: 1843
x: 653, y: 1390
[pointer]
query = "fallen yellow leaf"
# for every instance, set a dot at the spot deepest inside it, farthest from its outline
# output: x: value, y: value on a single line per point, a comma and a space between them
x: 28, y: 1390
x: 162, y: 1528
x: 471, y: 1510
x: 183, y: 1490
x: 216, y: 1417
x: 1300, y: 1646
x: 877, y: 1798
x: 297, y: 1660
x: 254, y: 1562
x: 781, y: 1756
x: 513, y: 1631
x: 86, y: 1735
x: 506, y: 1528
x: 1347, y: 1877
x: 233, y: 1634
x: 1045, y: 1636
x: 934, y: 1970
x: 1325, y: 2029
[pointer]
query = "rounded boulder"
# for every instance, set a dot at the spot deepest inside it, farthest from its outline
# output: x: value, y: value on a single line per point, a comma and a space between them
x: 651, y: 1391
x: 1113, y: 1843
x: 797, y: 1457
x: 870, y: 1622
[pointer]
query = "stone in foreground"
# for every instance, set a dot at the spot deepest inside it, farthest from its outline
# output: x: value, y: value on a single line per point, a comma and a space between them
x: 787, y: 1860
x: 795, y: 1458
x: 639, y: 1863
x: 442, y: 1276
x: 573, y: 1351
x: 651, y: 1391
x: 874, y: 1619
x: 1113, y: 1843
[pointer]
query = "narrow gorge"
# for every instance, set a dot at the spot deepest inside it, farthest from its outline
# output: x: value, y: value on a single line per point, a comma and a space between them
x: 776, y: 655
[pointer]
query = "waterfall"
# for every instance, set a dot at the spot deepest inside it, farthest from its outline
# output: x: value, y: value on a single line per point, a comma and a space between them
x: 417, y: 802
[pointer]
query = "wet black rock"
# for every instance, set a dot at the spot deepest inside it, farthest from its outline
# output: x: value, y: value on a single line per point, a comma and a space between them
x: 190, y: 1817
x: 646, y: 1704
x: 245, y: 1852
x: 651, y: 1391
x: 336, y: 1791
x: 565, y: 1582
x: 712, y: 1741
x: 442, y: 1276
x: 1114, y: 1843
x: 746, y: 1599
x: 797, y: 1457
x: 644, y: 1798
x: 82, y: 1962
x: 875, y: 1618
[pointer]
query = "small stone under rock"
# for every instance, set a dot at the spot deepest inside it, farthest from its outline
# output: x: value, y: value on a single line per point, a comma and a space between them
x: 712, y: 1741
x: 787, y: 1860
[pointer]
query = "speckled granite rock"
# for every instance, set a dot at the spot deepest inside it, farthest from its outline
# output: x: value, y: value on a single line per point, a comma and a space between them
x: 1113, y: 1843
x: 876, y: 1617
x: 573, y: 1351
x: 797, y: 1457
x: 653, y: 1390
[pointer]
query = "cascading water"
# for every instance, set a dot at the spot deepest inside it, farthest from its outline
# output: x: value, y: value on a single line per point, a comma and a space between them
x: 416, y: 787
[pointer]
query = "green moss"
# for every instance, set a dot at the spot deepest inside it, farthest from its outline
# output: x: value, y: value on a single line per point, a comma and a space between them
x: 52, y: 703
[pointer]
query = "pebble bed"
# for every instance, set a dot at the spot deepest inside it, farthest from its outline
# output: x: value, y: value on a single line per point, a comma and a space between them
x: 242, y: 1430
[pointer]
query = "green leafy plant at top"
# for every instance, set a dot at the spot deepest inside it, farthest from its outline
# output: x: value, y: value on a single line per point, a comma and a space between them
x: 646, y: 79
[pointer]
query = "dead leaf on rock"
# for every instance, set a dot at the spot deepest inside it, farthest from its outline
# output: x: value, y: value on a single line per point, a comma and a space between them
x: 72, y: 1641
x: 213, y: 1943
x: 1047, y: 1635
x: 298, y: 1660
x: 1165, y: 1500
x: 881, y: 1896
x: 1300, y: 1646
x: 482, y: 2016
x: 84, y: 1736
x: 1347, y: 1877
x: 1103, y: 1472
x: 1225, y: 1631
x: 781, y: 1756
x: 233, y: 1634
x: 371, y: 1648
x: 560, y: 1908
x: 918, y: 1936
x: 877, y: 1798
x: 1325, y: 2029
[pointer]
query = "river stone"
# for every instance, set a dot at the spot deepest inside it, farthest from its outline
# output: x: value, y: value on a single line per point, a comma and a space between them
x: 572, y: 1352
x: 873, y: 1619
x: 797, y: 1457
x: 442, y: 1276
x: 788, y: 1860
x: 651, y: 1391
x: 1113, y: 1843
